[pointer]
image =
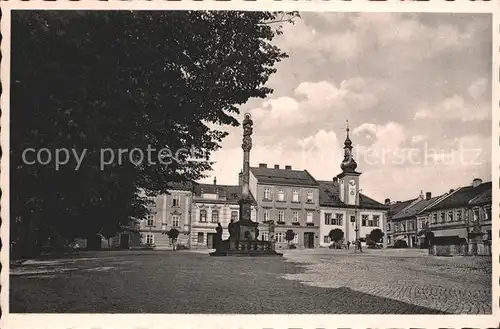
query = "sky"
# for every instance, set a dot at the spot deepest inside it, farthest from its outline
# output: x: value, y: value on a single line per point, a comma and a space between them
x: 415, y: 88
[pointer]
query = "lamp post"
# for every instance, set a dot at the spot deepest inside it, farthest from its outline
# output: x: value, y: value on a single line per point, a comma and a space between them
x: 356, y: 228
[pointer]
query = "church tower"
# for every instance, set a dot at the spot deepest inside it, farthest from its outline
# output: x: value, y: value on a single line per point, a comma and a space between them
x: 349, y: 178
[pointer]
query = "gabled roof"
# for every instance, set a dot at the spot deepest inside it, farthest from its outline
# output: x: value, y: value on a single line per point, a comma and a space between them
x: 276, y: 176
x: 461, y: 197
x: 329, y: 197
x: 396, y: 207
x: 416, y: 208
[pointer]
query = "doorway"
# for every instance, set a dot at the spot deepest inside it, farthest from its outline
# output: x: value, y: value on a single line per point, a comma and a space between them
x: 124, y: 241
x: 211, y: 240
x: 308, y: 240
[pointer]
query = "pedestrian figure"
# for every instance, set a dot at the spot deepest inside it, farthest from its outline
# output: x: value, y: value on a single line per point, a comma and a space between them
x: 218, y: 236
x: 348, y: 244
x: 359, y: 246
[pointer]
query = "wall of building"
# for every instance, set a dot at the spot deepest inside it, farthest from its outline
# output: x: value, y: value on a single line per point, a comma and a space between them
x: 273, y: 206
x: 201, y: 230
x: 324, y: 229
x: 347, y: 226
x: 252, y: 185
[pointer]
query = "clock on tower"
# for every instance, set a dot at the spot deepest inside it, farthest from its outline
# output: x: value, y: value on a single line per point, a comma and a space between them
x: 349, y: 178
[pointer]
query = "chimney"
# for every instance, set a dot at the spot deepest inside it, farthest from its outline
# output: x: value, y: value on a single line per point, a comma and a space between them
x: 387, y: 201
x: 276, y: 166
x: 451, y: 191
x: 262, y: 165
x: 240, y: 178
x: 215, y: 180
x: 476, y: 182
x: 288, y: 167
x: 428, y: 195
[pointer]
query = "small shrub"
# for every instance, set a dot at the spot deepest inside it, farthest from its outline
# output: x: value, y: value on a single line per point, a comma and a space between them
x: 292, y: 246
x: 182, y: 247
x: 400, y: 244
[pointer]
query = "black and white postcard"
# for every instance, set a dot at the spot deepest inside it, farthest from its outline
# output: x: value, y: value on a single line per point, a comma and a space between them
x: 261, y: 164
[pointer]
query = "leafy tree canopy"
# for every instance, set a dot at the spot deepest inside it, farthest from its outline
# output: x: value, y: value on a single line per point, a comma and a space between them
x: 92, y: 80
x: 376, y: 235
x: 336, y: 235
x: 289, y: 235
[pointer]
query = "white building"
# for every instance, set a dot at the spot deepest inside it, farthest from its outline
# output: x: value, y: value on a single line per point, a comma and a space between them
x: 214, y: 204
x: 168, y: 211
x: 343, y: 206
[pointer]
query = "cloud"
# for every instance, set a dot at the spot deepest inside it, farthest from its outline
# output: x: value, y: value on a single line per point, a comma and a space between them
x: 454, y: 108
x: 315, y: 103
x: 418, y: 138
x: 405, y: 82
x: 477, y: 88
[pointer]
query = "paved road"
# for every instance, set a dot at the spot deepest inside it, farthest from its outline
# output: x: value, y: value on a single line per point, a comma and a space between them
x: 459, y: 285
x: 184, y: 282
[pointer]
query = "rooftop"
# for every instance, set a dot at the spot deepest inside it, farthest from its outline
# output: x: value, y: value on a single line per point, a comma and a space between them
x: 396, y: 207
x: 227, y: 193
x: 277, y: 176
x: 414, y: 209
x: 483, y: 198
x: 329, y: 197
x: 461, y: 197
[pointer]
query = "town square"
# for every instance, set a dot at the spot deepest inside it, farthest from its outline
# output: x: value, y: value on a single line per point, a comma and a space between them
x: 251, y: 162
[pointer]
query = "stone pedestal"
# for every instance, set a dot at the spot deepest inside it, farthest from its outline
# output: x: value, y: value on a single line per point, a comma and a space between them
x: 246, y: 240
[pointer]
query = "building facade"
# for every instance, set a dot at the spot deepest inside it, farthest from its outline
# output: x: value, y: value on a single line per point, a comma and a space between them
x: 214, y: 204
x: 394, y: 208
x: 289, y: 198
x: 168, y: 211
x: 344, y: 207
x: 464, y: 215
x: 407, y: 225
x: 461, y: 216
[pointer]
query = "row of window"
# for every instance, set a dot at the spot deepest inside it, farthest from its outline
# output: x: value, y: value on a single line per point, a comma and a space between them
x: 281, y: 196
x: 338, y: 220
x: 215, y: 216
x: 176, y: 220
x: 281, y: 216
x: 279, y: 237
x: 456, y: 216
x: 402, y: 227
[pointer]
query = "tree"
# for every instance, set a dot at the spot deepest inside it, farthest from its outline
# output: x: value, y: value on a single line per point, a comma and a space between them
x: 173, y: 234
x: 336, y: 235
x: 289, y: 236
x: 109, y: 80
x: 375, y: 237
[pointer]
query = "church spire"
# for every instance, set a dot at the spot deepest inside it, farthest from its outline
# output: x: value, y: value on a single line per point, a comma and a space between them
x: 348, y: 164
x: 347, y: 143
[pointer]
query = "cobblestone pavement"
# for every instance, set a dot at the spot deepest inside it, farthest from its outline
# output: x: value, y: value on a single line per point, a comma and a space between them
x: 459, y: 285
x: 184, y: 282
